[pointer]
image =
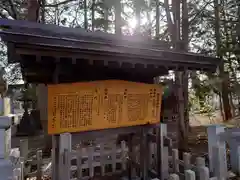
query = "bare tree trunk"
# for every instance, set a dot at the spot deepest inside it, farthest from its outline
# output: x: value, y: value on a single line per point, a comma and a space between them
x: 185, y: 27
x: 118, y: 18
x: 170, y: 22
x: 182, y: 85
x: 43, y: 18
x: 138, y: 16
x: 238, y: 4
x: 227, y: 42
x: 105, y: 16
x: 157, y: 19
x: 85, y: 15
x: 221, y: 106
x: 182, y: 129
x: 93, y: 14
x: 149, y: 28
x: 225, y: 98
x: 238, y: 106
x: 33, y: 10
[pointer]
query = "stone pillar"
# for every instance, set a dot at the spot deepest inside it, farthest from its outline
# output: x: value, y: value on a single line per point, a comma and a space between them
x: 216, y: 148
x: 6, y: 168
x: 6, y: 106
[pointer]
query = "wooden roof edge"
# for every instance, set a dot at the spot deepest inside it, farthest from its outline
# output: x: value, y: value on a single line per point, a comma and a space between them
x: 37, y: 30
x: 8, y: 25
x: 106, y: 57
x: 22, y: 26
x: 68, y: 45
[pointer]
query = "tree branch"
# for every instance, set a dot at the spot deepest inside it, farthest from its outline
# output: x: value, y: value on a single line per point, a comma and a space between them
x: 13, y: 9
x: 58, y: 4
x: 199, y: 12
x: 6, y: 9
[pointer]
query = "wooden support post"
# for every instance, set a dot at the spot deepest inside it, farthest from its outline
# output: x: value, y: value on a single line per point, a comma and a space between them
x: 56, y: 138
x: 114, y: 158
x: 182, y: 137
x: 123, y: 155
x: 143, y: 158
x: 185, y: 97
x: 90, y: 161
x: 23, y: 148
x: 102, y: 159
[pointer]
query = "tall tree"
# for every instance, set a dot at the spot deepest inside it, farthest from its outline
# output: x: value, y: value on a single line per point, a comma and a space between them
x: 85, y: 14
x: 137, y: 6
x: 157, y: 19
x: 184, y: 47
x: 181, y: 78
x: 93, y: 14
x: 223, y: 74
x: 118, y: 17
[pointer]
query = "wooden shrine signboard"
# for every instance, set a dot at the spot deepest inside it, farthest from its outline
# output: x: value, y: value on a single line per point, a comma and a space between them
x: 99, y: 105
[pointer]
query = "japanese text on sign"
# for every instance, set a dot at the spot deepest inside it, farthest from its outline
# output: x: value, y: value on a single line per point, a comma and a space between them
x: 101, y: 105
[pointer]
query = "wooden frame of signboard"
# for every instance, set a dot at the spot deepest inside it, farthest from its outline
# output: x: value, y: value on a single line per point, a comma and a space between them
x: 141, y: 130
x: 96, y: 105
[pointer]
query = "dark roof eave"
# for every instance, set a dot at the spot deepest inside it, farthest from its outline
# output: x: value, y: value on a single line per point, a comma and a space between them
x: 26, y: 27
x: 56, y: 38
x: 63, y: 45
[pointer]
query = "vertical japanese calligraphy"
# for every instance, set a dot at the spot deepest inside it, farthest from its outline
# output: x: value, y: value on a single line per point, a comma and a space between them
x: 102, y: 104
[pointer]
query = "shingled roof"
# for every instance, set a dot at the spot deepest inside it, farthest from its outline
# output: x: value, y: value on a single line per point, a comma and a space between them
x: 37, y: 45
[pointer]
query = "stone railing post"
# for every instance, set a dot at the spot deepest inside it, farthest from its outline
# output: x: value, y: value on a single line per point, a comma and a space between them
x: 6, y: 168
x: 214, y: 132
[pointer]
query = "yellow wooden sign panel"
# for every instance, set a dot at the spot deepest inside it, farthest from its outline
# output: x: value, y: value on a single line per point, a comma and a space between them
x: 98, y: 105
